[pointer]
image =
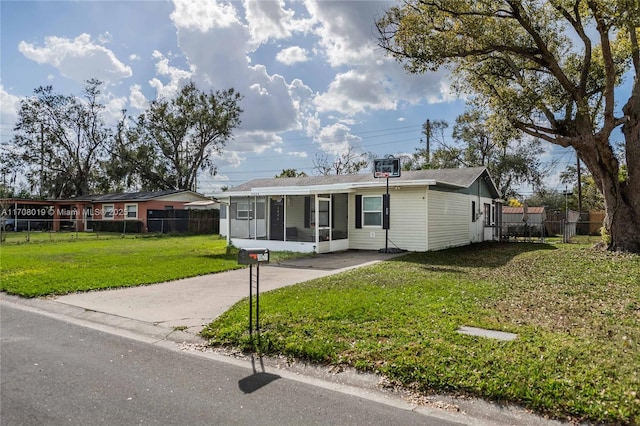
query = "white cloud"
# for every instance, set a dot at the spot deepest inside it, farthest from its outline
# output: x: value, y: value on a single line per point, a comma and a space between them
x: 137, y: 99
x: 354, y: 92
x: 177, y: 77
x: 336, y: 140
x: 372, y: 82
x: 78, y: 59
x: 105, y: 38
x: 113, y: 109
x: 292, y: 55
x: 267, y: 20
x: 346, y: 29
x: 202, y: 16
x: 256, y: 142
x: 134, y: 57
x: 9, y: 106
x: 270, y: 104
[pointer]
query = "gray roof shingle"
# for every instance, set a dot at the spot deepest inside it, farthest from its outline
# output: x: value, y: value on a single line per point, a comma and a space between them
x: 463, y: 177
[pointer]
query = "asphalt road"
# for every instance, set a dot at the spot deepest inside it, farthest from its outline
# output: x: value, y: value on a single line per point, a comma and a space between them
x: 54, y: 372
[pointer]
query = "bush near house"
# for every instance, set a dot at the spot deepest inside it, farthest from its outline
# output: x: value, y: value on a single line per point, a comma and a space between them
x: 576, y: 311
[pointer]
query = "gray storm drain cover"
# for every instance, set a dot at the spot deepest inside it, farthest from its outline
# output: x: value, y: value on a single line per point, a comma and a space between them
x: 491, y: 334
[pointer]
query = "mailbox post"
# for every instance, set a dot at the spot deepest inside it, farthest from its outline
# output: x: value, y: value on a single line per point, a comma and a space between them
x: 253, y: 256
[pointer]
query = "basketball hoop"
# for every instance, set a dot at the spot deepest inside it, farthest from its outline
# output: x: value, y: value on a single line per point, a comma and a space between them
x: 386, y: 168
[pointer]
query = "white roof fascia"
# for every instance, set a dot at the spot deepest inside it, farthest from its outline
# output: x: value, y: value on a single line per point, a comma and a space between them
x: 383, y: 183
x: 323, y: 189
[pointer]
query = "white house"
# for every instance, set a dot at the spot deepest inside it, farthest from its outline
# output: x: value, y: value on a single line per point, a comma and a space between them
x: 427, y: 210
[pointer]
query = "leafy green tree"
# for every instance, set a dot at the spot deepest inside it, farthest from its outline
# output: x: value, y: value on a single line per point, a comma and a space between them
x: 175, y: 139
x: 510, y: 160
x: 59, y: 141
x: 551, y: 68
x: 285, y: 173
x: 479, y: 141
x: 550, y: 198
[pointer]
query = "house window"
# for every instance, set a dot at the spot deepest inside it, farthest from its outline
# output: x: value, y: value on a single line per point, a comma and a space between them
x: 487, y: 214
x: 372, y: 210
x: 108, y: 211
x: 131, y: 211
x: 244, y: 211
x: 473, y: 211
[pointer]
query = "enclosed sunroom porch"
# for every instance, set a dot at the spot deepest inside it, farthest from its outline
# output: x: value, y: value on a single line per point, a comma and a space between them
x: 290, y: 222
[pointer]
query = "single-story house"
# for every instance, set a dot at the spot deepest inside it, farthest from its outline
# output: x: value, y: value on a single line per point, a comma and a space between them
x: 82, y: 212
x: 426, y: 210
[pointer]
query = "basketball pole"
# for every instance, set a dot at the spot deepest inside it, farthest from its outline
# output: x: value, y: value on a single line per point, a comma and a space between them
x: 386, y: 231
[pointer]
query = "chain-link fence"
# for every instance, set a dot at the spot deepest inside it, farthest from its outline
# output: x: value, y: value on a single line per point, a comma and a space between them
x: 17, y: 230
x: 562, y: 230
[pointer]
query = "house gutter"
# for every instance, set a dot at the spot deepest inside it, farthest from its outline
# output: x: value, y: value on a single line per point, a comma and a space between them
x: 324, y: 189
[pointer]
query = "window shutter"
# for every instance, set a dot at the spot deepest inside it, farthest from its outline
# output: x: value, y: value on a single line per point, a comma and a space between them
x: 358, y: 211
x: 307, y: 212
x: 385, y: 211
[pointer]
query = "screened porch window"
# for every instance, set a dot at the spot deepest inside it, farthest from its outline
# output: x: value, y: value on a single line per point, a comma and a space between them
x: 244, y: 211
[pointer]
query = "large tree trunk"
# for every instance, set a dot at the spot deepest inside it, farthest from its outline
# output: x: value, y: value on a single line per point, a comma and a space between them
x: 625, y: 225
x: 622, y: 198
x: 622, y: 220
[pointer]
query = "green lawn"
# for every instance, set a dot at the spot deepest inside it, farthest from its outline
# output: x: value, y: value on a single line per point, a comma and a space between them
x: 576, y: 311
x: 43, y: 267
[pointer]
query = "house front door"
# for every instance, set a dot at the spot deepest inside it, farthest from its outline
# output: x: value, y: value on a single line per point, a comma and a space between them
x: 276, y: 222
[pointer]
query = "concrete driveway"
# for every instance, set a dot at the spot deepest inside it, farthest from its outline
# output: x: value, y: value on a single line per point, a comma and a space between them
x: 195, y: 302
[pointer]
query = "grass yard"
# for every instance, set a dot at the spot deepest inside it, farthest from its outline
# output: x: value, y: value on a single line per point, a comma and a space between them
x: 53, y: 267
x: 576, y: 311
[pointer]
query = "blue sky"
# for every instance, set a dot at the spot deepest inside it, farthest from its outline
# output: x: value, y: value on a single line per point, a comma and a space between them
x: 313, y: 80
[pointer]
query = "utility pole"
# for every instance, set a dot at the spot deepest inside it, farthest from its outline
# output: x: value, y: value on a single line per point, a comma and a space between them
x: 579, y: 183
x: 427, y: 133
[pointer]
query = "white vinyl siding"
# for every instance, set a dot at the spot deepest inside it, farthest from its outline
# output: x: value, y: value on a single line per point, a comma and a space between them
x: 407, y: 226
x: 409, y: 219
x: 449, y: 216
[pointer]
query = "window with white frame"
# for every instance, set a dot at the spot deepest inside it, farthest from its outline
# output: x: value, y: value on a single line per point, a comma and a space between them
x: 108, y: 211
x: 131, y: 211
x: 244, y: 211
x: 372, y: 210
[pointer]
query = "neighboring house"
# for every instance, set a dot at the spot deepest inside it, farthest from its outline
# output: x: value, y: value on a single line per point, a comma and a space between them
x: 80, y: 213
x: 428, y: 210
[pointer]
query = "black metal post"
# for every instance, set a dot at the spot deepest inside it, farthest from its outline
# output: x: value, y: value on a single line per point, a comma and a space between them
x: 250, y: 300
x: 258, y: 299
x: 386, y: 231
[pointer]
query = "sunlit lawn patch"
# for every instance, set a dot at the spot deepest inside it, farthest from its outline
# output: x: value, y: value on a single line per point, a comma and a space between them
x: 42, y: 268
x: 576, y: 312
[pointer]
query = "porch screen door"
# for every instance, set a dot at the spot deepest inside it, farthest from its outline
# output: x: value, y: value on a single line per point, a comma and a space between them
x: 323, y: 219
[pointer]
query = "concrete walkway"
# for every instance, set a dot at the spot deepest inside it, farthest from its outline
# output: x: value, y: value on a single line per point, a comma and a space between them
x: 195, y: 302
